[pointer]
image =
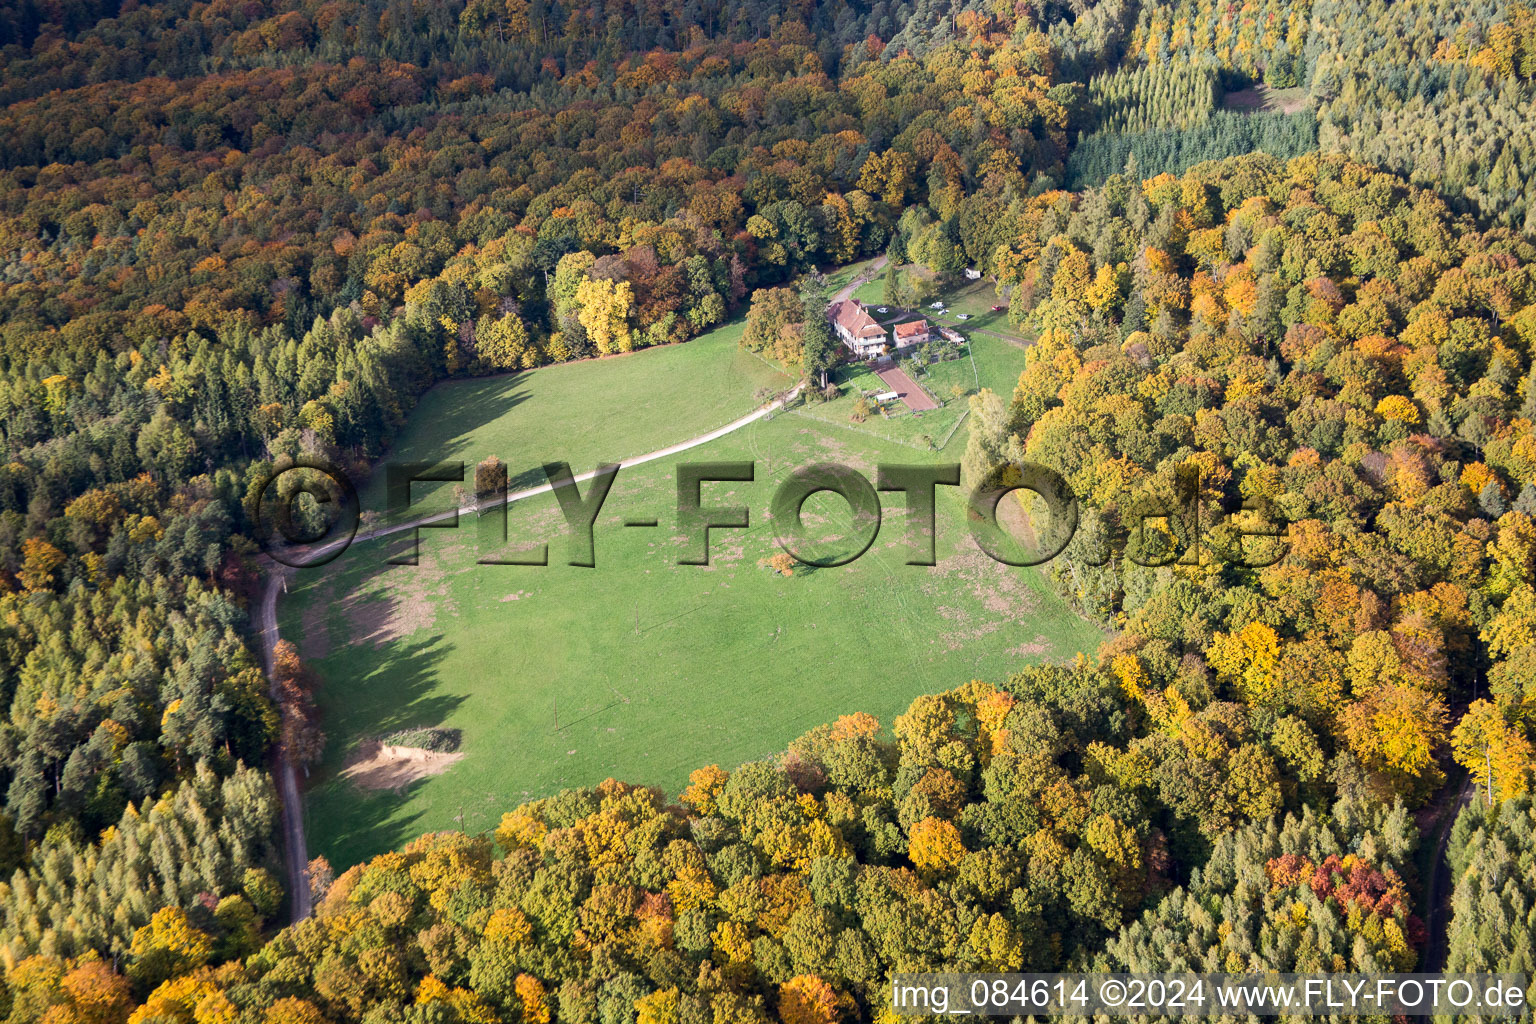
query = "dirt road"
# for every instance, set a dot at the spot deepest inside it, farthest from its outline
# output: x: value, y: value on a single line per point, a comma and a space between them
x: 868, y: 275
x: 1439, y: 885
x: 265, y: 619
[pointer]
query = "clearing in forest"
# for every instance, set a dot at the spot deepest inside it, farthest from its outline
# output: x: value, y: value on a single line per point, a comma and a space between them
x: 640, y: 668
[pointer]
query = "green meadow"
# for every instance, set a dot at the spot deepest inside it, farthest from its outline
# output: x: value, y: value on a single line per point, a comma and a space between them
x: 640, y: 668
x: 582, y: 413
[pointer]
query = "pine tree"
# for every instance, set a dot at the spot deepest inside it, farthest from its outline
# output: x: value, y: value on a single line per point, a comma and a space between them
x: 1491, y: 499
x: 818, y: 348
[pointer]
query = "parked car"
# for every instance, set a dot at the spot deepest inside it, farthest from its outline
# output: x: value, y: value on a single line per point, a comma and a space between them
x: 935, y: 305
x: 962, y: 316
x: 998, y: 309
x: 882, y: 309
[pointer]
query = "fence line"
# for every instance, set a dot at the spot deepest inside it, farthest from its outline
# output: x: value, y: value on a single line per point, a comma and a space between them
x: 948, y: 436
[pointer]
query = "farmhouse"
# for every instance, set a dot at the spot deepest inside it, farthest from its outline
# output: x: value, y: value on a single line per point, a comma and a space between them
x: 910, y: 334
x: 856, y: 329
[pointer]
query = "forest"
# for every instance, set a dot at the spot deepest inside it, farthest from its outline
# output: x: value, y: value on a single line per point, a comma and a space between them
x: 1435, y: 91
x: 987, y: 830
x: 233, y: 234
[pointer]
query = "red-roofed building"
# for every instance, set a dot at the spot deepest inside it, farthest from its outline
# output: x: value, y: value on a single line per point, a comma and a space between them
x: 910, y: 334
x: 856, y: 329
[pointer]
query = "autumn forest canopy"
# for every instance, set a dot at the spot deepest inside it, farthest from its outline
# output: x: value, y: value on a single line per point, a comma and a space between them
x: 1284, y: 249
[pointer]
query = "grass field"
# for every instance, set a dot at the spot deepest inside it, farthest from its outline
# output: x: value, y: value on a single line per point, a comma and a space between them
x: 639, y: 668
x: 872, y: 292
x: 581, y: 413
x: 977, y: 298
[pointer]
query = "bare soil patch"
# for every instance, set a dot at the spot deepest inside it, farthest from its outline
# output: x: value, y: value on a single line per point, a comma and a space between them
x: 379, y: 766
x: 1263, y: 98
x: 411, y: 603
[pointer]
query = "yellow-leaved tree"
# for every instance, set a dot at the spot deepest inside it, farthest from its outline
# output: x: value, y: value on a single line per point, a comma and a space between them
x: 1246, y: 660
x: 605, y: 307
x: 169, y: 946
x: 807, y: 999
x: 1490, y: 748
x: 935, y: 845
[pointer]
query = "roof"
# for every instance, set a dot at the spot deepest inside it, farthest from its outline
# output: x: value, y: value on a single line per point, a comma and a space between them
x: 911, y: 327
x: 852, y: 318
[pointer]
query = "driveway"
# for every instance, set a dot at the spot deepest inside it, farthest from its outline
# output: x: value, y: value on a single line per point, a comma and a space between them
x: 916, y: 398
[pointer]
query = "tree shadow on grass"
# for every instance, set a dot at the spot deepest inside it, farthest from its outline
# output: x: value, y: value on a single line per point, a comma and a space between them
x: 347, y: 822
x: 348, y: 826
x: 531, y: 477
x: 451, y: 416
x: 402, y: 692
x: 469, y: 404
